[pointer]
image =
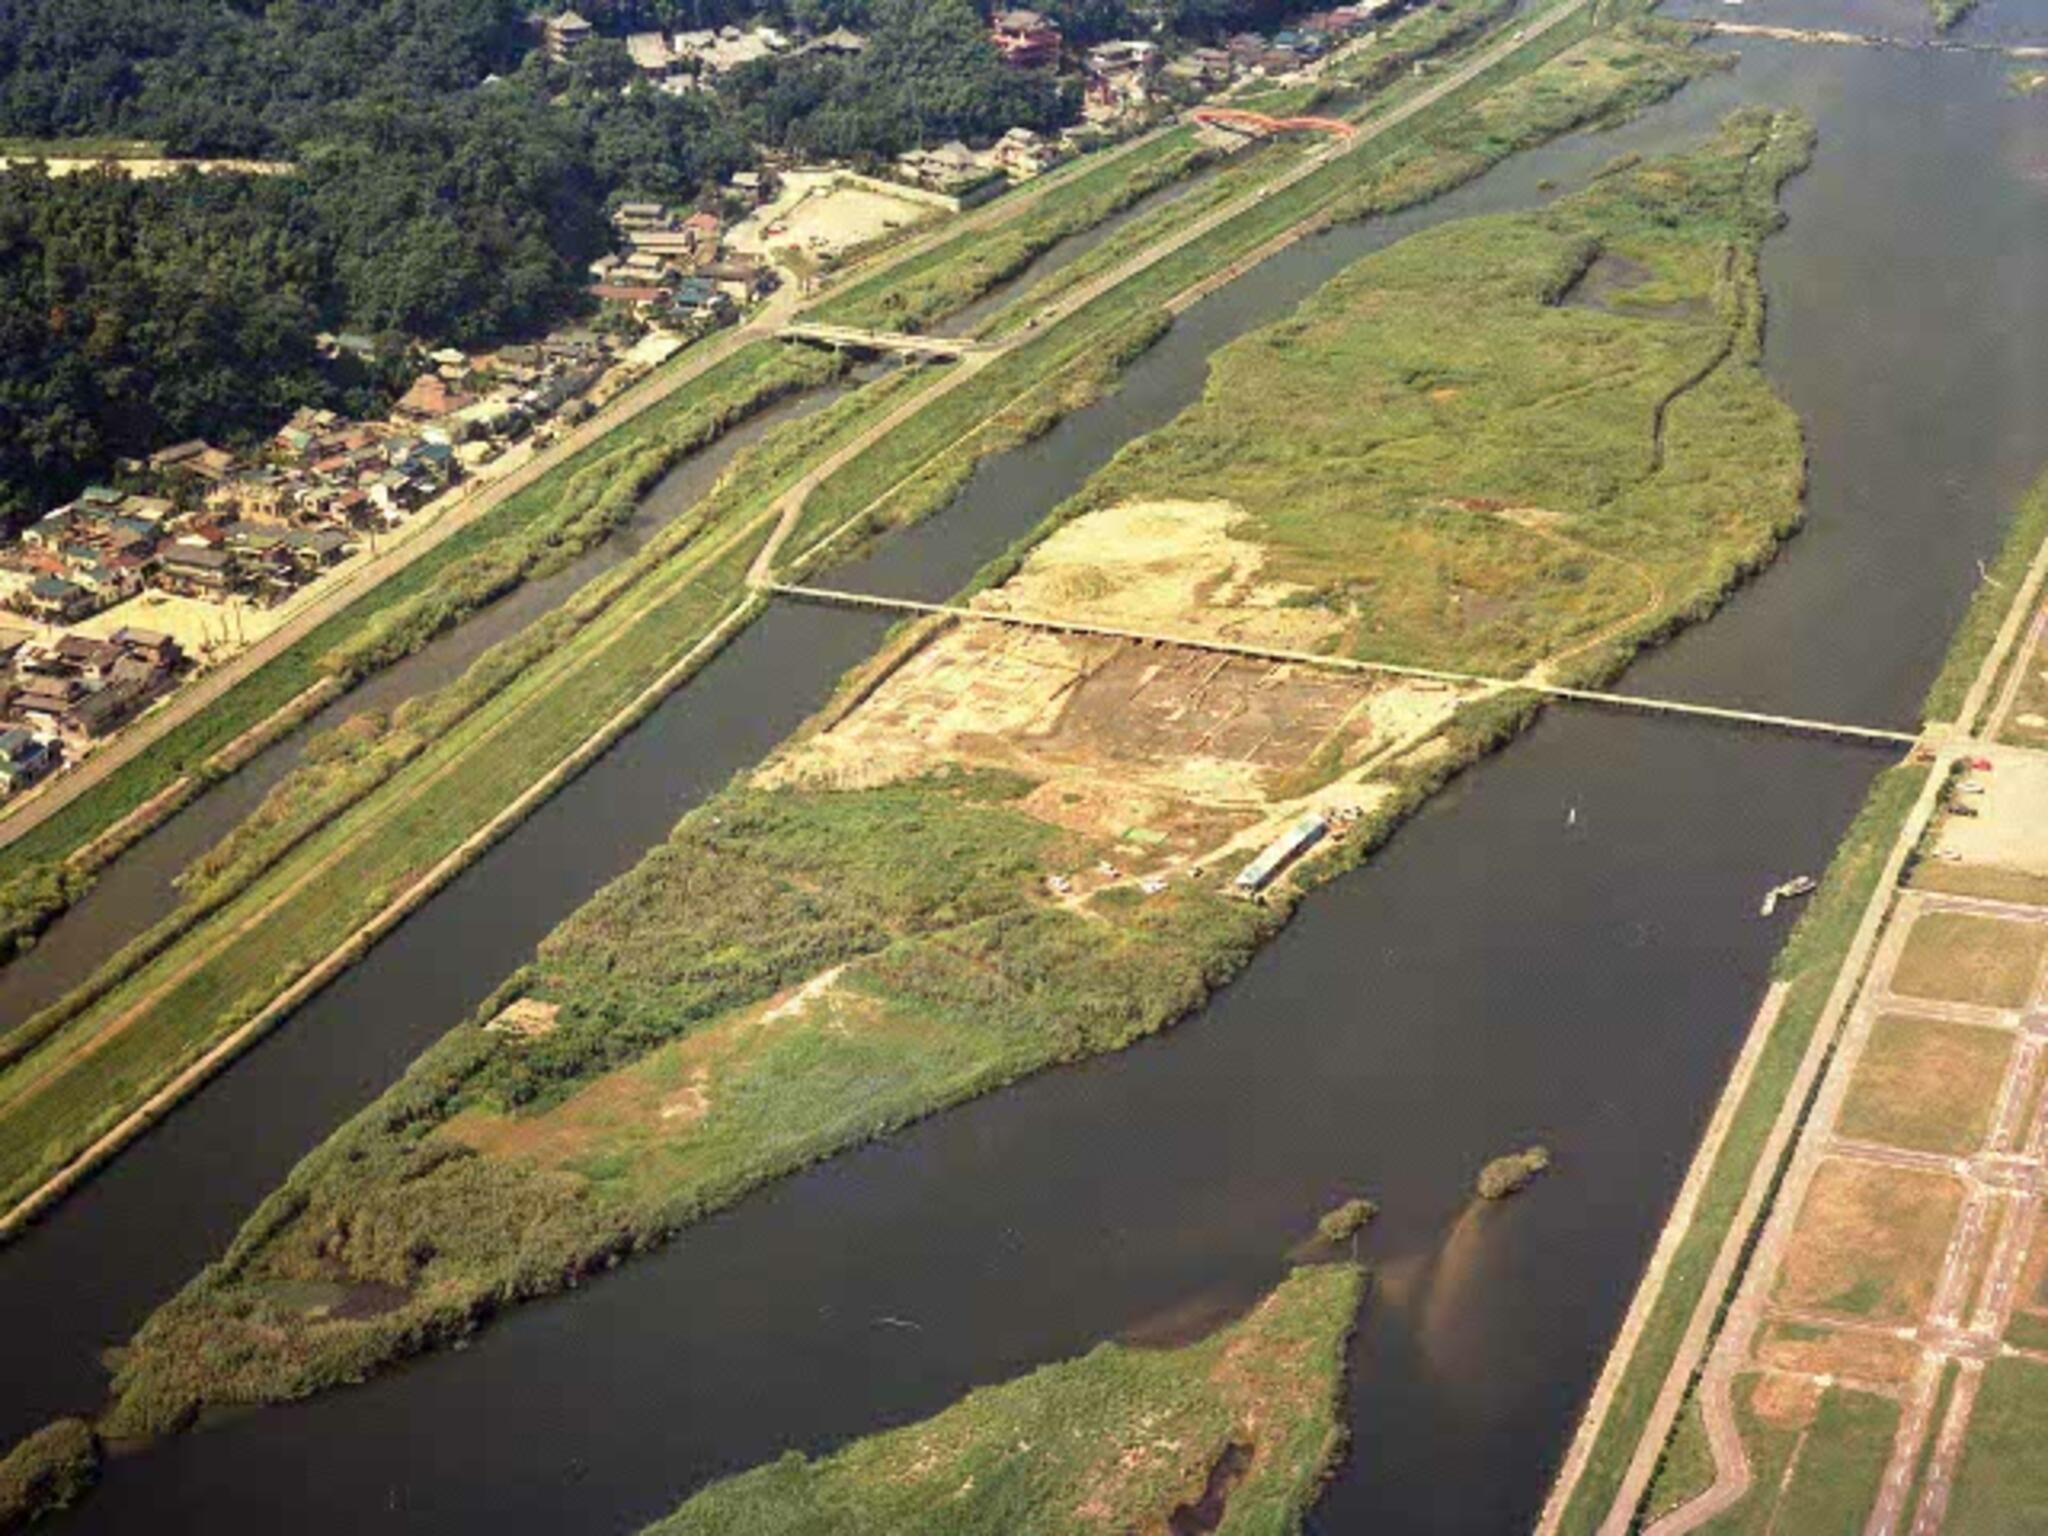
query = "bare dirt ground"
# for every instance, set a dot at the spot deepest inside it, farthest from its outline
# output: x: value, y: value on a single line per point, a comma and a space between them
x: 1869, y: 1242
x: 1172, y: 565
x: 1174, y: 752
x: 818, y: 212
x: 2010, y: 829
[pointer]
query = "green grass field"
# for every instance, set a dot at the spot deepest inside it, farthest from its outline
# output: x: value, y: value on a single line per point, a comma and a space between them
x: 1556, y: 83
x: 1821, y: 1476
x: 1539, y: 478
x: 1119, y: 1440
x: 1926, y: 1084
x: 2001, y: 1486
x: 1957, y: 957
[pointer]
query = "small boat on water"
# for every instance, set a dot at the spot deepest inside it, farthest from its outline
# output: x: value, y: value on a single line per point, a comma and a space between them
x: 1799, y: 885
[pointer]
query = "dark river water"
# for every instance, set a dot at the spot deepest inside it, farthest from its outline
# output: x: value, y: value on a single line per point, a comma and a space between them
x: 137, y: 889
x: 1499, y: 974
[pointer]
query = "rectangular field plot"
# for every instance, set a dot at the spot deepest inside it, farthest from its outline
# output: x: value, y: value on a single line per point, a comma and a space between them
x: 1960, y: 958
x: 1854, y: 1354
x: 1869, y: 1241
x: 1927, y: 1084
x: 1818, y: 1455
x: 2001, y: 1486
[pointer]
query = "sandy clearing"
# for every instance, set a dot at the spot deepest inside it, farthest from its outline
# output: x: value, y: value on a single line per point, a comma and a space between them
x: 1173, y: 565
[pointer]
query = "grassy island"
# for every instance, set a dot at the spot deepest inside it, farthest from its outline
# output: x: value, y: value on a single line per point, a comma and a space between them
x: 987, y: 856
x: 1233, y: 1434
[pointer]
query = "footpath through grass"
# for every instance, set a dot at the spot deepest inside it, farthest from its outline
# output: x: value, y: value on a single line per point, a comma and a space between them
x: 1233, y: 1434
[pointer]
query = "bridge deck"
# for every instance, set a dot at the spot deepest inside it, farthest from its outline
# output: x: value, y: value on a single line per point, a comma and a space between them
x: 881, y: 341
x: 1795, y: 724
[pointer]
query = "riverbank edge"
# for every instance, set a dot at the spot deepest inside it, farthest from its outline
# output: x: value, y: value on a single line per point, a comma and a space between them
x: 1526, y: 55
x: 70, y: 876
x: 1335, y: 1316
x: 1984, y: 648
x: 1746, y: 1122
x: 1094, y: 369
x: 1477, y: 730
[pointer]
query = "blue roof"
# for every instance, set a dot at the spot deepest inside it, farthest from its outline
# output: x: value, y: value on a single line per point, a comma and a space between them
x: 54, y: 586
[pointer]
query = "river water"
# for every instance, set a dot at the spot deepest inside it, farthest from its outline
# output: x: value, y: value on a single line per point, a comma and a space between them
x: 138, y: 888
x: 1499, y: 974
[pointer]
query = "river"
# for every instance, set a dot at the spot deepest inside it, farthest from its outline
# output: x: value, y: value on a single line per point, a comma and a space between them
x: 138, y: 888
x: 1499, y: 974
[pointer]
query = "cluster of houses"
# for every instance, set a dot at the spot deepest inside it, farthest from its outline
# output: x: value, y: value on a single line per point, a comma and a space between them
x: 674, y: 269
x: 58, y: 698
x: 242, y: 529
x: 956, y: 171
x: 1291, y: 48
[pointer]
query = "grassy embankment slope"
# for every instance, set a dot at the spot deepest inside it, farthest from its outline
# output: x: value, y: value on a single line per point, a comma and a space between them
x: 1119, y: 1440
x: 927, y: 288
x: 376, y: 808
x: 798, y: 970
x: 560, y: 515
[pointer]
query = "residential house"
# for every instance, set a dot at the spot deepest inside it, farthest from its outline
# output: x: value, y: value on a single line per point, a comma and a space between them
x: 1023, y: 154
x: 55, y: 600
x: 740, y: 279
x: 196, y: 570
x: 25, y: 759
x: 1025, y: 39
x: 430, y: 397
x: 652, y: 55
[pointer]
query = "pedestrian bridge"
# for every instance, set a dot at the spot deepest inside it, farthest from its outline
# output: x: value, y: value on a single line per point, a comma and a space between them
x: 1635, y: 703
x: 851, y: 338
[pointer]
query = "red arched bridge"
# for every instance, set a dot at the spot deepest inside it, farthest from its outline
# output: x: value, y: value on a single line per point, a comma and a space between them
x: 1258, y: 122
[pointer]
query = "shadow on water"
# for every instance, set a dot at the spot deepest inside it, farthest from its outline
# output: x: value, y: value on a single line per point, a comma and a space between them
x: 1505, y: 971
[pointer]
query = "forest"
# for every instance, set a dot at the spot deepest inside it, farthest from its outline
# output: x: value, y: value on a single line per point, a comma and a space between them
x: 449, y: 184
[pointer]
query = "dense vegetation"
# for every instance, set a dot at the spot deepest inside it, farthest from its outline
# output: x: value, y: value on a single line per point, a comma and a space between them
x: 1120, y: 1440
x: 422, y: 202
x: 928, y: 75
x: 48, y: 1471
x: 138, y: 312
x: 1591, y: 454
